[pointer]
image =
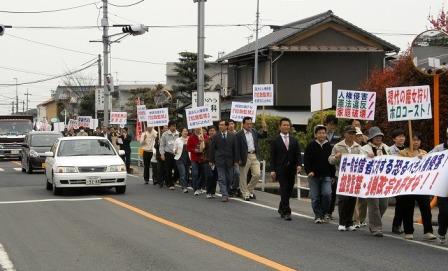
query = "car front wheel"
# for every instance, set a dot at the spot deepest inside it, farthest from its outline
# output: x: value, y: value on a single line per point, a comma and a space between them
x: 120, y: 189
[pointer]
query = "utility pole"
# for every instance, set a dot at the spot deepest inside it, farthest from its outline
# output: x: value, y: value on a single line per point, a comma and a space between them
x: 99, y: 70
x: 27, y: 99
x: 200, y: 60
x: 105, y: 25
x: 12, y: 108
x: 23, y: 106
x: 256, y: 44
x: 17, y: 96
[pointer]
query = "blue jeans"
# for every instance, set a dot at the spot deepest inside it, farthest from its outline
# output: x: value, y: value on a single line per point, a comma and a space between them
x: 198, y: 174
x: 183, y: 172
x: 320, y: 192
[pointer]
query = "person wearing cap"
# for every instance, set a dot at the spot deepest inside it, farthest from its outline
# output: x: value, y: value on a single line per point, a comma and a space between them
x: 376, y: 207
x: 320, y: 172
x: 359, y: 135
x: 442, y: 202
x: 346, y: 204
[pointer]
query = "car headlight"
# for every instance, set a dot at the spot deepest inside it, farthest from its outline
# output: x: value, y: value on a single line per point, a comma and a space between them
x: 33, y: 153
x: 116, y: 168
x: 66, y: 170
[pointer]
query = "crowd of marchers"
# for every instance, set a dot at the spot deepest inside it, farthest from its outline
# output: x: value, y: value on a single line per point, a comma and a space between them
x: 204, y: 158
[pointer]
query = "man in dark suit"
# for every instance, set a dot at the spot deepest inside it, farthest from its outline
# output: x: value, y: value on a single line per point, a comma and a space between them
x: 247, y: 156
x: 126, y: 146
x: 222, y: 155
x: 286, y: 162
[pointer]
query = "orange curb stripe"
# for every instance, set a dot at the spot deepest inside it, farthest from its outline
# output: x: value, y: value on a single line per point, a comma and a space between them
x: 204, y: 237
x: 17, y: 163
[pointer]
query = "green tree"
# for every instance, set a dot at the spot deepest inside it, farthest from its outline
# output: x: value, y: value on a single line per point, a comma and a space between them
x: 186, y: 83
x: 87, y: 104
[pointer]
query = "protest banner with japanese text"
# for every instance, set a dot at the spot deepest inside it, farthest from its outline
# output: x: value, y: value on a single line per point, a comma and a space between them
x: 119, y: 118
x: 198, y: 117
x: 408, y: 103
x: 353, y: 104
x: 141, y: 113
x: 263, y: 94
x: 212, y: 100
x: 157, y: 117
x: 241, y: 110
x: 84, y: 121
x: 390, y: 176
x: 72, y: 124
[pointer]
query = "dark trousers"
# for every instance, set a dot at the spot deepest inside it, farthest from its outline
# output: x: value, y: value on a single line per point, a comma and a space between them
x: 211, y: 179
x: 160, y: 175
x: 286, y: 188
x: 127, y: 161
x: 155, y: 172
x: 334, y: 186
x: 408, y: 205
x: 170, y: 166
x: 398, y: 216
x: 346, y: 208
x: 146, y: 163
x: 442, y: 202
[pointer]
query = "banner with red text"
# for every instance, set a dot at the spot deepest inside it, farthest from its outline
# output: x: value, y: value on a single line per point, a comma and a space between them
x: 389, y: 176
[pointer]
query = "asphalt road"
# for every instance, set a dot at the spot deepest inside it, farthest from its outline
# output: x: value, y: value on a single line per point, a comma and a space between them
x: 150, y: 228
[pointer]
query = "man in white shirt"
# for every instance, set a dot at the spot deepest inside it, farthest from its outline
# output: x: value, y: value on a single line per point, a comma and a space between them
x: 147, y: 141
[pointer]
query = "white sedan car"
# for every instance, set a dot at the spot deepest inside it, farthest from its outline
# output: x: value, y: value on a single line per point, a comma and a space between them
x: 84, y: 161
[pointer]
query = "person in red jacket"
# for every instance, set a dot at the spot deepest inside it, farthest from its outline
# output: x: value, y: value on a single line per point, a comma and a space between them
x: 195, y: 146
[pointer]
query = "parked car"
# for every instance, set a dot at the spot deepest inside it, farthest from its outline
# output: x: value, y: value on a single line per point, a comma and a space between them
x: 84, y: 161
x: 34, y: 147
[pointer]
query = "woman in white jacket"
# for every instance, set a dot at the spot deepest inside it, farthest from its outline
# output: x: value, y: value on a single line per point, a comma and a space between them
x: 182, y: 159
x: 376, y: 207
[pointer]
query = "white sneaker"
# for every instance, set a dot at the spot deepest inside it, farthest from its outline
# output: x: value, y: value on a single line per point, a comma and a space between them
x: 357, y: 226
x: 409, y: 236
x: 351, y: 228
x: 442, y: 239
x: 196, y: 193
x: 317, y: 221
x: 203, y: 191
x: 185, y: 190
x: 209, y: 196
x: 171, y: 188
x: 363, y: 224
x: 429, y: 236
x: 342, y: 228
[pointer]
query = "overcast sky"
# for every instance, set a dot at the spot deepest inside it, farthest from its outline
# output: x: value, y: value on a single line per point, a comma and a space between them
x: 22, y: 49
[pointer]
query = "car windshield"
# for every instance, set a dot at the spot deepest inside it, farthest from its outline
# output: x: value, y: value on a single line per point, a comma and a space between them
x: 12, y: 127
x: 85, y: 147
x: 44, y: 140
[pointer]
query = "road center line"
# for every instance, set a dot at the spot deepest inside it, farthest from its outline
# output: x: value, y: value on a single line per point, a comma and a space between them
x: 5, y: 262
x: 48, y: 200
x: 198, y: 235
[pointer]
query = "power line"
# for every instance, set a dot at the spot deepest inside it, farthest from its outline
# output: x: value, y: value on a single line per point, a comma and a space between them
x: 124, y: 6
x: 23, y: 71
x: 48, y: 11
x: 50, y: 78
x: 85, y: 53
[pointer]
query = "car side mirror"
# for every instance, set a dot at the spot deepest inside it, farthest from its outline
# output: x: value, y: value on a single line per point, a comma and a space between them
x: 121, y: 152
x: 48, y: 154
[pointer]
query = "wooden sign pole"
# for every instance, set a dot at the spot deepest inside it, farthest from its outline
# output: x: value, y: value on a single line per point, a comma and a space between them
x: 436, y: 110
x: 322, y: 103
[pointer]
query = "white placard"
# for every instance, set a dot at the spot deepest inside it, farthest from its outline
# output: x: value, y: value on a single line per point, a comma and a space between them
x: 99, y: 99
x: 157, y: 117
x: 263, y: 94
x: 141, y: 113
x: 72, y: 124
x: 118, y: 118
x: 241, y: 110
x: 94, y: 124
x: 321, y: 93
x: 198, y: 117
x: 58, y: 126
x: 408, y: 103
x: 84, y: 121
x: 354, y: 104
x: 212, y: 100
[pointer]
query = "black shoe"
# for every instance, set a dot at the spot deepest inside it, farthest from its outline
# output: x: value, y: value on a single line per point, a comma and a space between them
x: 146, y: 182
x: 252, y: 196
x: 231, y: 195
x: 397, y: 230
x: 287, y: 217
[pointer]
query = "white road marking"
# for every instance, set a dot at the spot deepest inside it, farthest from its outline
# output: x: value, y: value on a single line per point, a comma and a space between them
x: 48, y: 200
x: 2, y: 169
x: 18, y: 169
x: 5, y: 262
